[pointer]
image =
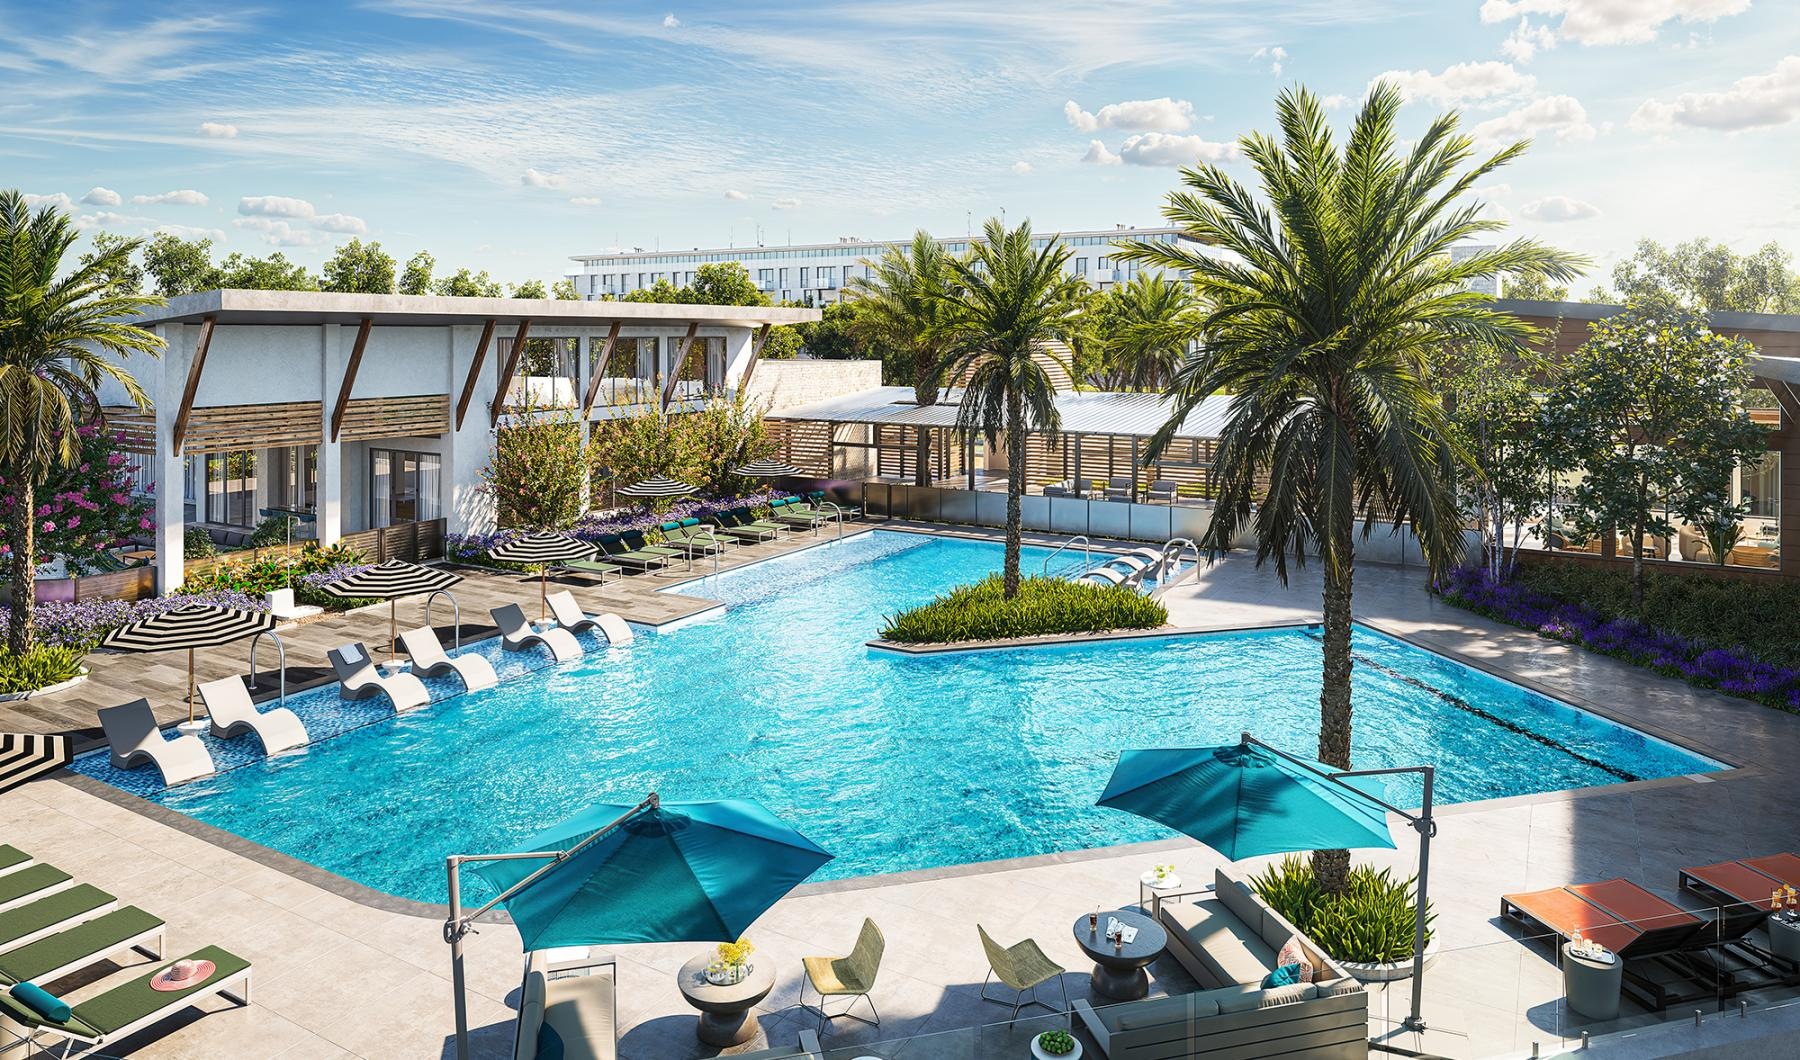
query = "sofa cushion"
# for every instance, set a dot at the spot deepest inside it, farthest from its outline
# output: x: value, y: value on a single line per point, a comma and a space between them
x: 1229, y: 948
x: 1293, y: 952
x: 1160, y: 1011
x: 580, y: 1008
x: 1238, y: 898
x: 1250, y: 998
x: 531, y: 1013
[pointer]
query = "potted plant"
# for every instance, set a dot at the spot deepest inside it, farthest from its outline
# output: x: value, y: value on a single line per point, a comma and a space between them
x: 733, y: 963
x: 1056, y: 1045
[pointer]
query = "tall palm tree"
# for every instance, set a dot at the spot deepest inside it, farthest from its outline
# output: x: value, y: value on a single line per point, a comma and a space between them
x: 53, y: 334
x: 900, y: 305
x: 1150, y: 324
x: 1009, y: 301
x: 1336, y: 283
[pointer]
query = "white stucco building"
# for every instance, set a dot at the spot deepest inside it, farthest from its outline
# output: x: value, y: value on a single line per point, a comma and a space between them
x: 354, y: 412
x: 817, y: 272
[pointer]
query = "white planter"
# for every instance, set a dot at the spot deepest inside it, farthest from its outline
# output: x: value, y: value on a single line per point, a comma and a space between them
x: 1038, y: 1052
x: 1388, y: 973
x: 9, y: 697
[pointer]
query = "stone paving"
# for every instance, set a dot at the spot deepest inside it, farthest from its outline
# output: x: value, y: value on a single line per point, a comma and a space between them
x: 338, y: 977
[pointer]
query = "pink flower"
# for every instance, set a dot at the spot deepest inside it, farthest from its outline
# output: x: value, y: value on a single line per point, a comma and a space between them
x: 84, y: 468
x: 49, y: 527
x: 120, y: 498
x: 145, y: 524
x: 115, y: 459
x: 43, y: 510
x: 74, y: 521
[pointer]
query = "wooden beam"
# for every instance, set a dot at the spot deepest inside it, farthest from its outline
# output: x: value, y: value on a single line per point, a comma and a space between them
x: 681, y: 353
x: 468, y: 391
x: 193, y: 382
x: 596, y: 366
x: 350, y: 370
x: 756, y: 348
x: 506, y: 372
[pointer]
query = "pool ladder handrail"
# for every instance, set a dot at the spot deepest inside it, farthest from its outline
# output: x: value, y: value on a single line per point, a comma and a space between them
x: 1087, y: 553
x: 455, y: 616
x: 717, y: 546
x: 1171, y: 556
x: 837, y: 514
x: 280, y: 661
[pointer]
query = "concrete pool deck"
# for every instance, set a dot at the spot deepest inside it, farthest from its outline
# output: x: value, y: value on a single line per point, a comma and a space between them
x: 337, y: 977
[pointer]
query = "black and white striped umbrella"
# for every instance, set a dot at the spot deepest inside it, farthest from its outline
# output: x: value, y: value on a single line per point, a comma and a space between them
x: 657, y: 487
x: 191, y: 626
x: 541, y: 549
x: 24, y: 756
x: 767, y: 468
x: 390, y: 581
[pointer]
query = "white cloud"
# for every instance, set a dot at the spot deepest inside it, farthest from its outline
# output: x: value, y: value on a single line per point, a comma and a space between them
x: 735, y: 195
x: 341, y: 222
x: 670, y: 21
x: 585, y: 200
x: 1336, y: 101
x: 1562, y: 115
x: 1021, y: 167
x: 1613, y: 21
x: 1161, y: 149
x: 1754, y: 102
x: 55, y: 198
x: 533, y: 178
x: 788, y: 203
x: 98, y: 196
x: 181, y: 197
x: 1276, y: 56
x: 278, y: 233
x: 1527, y: 40
x: 191, y: 232
x: 1495, y: 190
x: 274, y: 206
x: 218, y: 130
x: 1148, y: 115
x: 1098, y: 155
x: 1558, y: 208
x: 1462, y: 83
x: 106, y: 219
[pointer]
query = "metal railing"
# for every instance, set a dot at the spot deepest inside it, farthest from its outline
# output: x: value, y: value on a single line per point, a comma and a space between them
x: 280, y: 660
x: 1087, y: 553
x: 837, y: 514
x: 713, y: 540
x: 455, y: 616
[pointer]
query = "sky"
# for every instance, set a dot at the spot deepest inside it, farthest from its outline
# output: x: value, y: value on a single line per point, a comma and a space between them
x: 508, y: 135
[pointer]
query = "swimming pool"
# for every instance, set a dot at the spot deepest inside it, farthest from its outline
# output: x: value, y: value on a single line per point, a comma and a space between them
x: 890, y: 761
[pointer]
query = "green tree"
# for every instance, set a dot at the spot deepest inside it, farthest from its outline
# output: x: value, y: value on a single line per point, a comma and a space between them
x: 529, y: 289
x: 124, y: 275
x: 563, y: 290
x: 661, y: 291
x: 1651, y: 410
x: 417, y: 277
x: 180, y: 266
x: 1007, y: 303
x: 1336, y: 282
x: 902, y: 305
x: 1707, y: 276
x: 723, y: 283
x: 538, y: 471
x: 1496, y: 416
x: 838, y: 335
x: 360, y: 268
x: 1146, y: 328
x: 55, y: 338
x: 273, y: 273
x: 466, y: 284
x: 1534, y: 287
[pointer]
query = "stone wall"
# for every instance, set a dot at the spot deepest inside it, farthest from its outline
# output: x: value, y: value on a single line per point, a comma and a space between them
x: 788, y: 384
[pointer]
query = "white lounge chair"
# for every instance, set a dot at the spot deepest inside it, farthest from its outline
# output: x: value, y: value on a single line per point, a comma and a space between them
x: 570, y: 616
x: 233, y: 714
x: 135, y: 739
x: 282, y: 606
x: 429, y: 659
x: 1104, y: 574
x: 358, y: 678
x: 516, y: 634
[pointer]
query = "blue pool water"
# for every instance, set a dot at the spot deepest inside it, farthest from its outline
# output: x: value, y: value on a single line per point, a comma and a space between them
x: 891, y: 762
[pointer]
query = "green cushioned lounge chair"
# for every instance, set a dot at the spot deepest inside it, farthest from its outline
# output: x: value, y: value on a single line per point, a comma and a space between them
x: 617, y: 551
x: 591, y: 567
x: 13, y: 859
x: 637, y: 542
x: 132, y: 1006
x: 54, y: 956
x: 852, y: 977
x: 695, y: 540
x: 52, y: 913
x: 31, y: 883
x: 1022, y: 967
x: 743, y: 529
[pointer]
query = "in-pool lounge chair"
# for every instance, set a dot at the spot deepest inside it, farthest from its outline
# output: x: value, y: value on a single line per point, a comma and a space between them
x: 570, y: 616
x: 1746, y: 881
x: 359, y: 678
x: 129, y: 1007
x: 233, y: 713
x: 429, y: 659
x: 31, y: 884
x: 85, y: 944
x: 1105, y: 576
x: 43, y: 916
x: 516, y: 634
x: 135, y: 739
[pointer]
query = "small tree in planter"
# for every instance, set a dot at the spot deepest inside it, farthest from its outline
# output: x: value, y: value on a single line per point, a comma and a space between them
x: 538, y: 472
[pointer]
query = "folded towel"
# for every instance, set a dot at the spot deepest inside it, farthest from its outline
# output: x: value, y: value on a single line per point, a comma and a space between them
x: 41, y: 1001
x: 351, y: 652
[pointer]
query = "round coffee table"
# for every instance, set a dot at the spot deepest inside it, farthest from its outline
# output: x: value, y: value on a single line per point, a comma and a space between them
x: 724, y: 1010
x: 1591, y: 987
x: 1119, y: 972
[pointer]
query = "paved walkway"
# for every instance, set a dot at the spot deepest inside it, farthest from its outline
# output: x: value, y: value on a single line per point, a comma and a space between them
x: 335, y: 977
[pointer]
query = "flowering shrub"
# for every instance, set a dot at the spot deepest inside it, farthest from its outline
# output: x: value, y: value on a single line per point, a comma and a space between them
x: 81, y: 624
x: 311, y: 568
x: 1735, y: 670
x: 472, y: 549
x: 87, y: 508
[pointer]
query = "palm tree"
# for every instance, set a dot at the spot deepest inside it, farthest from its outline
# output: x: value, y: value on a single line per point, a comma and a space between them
x: 900, y: 305
x: 1336, y: 283
x: 1009, y: 300
x: 53, y: 333
x: 1150, y: 324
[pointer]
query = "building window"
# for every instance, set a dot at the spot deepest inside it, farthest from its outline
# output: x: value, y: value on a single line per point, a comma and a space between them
x: 1760, y: 481
x: 803, y: 275
x: 765, y: 279
x: 403, y: 487
x: 828, y: 276
x: 546, y: 371
x: 1105, y: 264
x: 230, y: 495
x: 293, y: 478
x: 1081, y: 266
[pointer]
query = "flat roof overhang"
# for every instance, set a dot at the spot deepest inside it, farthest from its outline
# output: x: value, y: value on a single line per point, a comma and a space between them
x: 405, y: 310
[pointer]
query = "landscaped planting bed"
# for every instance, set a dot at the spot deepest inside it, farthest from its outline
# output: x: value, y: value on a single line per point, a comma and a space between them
x: 1043, y: 607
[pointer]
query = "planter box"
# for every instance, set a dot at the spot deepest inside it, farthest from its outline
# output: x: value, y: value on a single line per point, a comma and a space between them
x: 13, y: 697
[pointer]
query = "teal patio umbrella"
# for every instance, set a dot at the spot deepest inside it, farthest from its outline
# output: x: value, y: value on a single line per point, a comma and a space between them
x: 654, y: 872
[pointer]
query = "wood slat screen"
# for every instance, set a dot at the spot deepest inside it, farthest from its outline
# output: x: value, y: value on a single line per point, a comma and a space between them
x: 138, y: 427
x: 227, y: 427
x: 897, y: 447
x: 396, y: 417
x: 806, y: 444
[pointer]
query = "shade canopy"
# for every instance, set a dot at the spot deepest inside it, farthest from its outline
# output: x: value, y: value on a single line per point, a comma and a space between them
x: 190, y: 626
x: 657, y: 487
x: 678, y: 872
x: 767, y: 468
x: 542, y: 547
x: 24, y: 756
x: 386, y: 581
x: 1244, y: 801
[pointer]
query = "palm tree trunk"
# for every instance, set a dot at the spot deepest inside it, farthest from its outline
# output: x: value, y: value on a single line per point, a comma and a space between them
x: 19, y: 538
x: 1015, y: 488
x: 925, y: 394
x: 1331, y: 867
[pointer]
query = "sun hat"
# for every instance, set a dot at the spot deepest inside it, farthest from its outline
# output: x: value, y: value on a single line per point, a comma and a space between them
x: 181, y: 975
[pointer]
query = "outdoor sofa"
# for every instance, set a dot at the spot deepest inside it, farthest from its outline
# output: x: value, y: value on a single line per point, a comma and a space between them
x: 1227, y: 939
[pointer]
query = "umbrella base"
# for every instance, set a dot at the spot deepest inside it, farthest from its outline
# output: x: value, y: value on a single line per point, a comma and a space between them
x: 192, y: 728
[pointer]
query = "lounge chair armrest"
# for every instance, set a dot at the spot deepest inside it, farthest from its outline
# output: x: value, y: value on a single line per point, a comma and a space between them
x: 1170, y: 895
x: 604, y: 960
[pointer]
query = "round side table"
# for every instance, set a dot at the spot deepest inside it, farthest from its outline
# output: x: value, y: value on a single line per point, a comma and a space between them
x: 1119, y: 971
x: 1784, y: 938
x: 725, y: 1010
x: 1591, y: 986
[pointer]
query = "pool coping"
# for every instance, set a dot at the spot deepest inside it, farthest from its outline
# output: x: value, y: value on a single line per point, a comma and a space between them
x: 364, y: 894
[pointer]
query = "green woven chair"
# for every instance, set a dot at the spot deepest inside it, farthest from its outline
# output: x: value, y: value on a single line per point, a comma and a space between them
x: 852, y: 976
x: 1022, y: 967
